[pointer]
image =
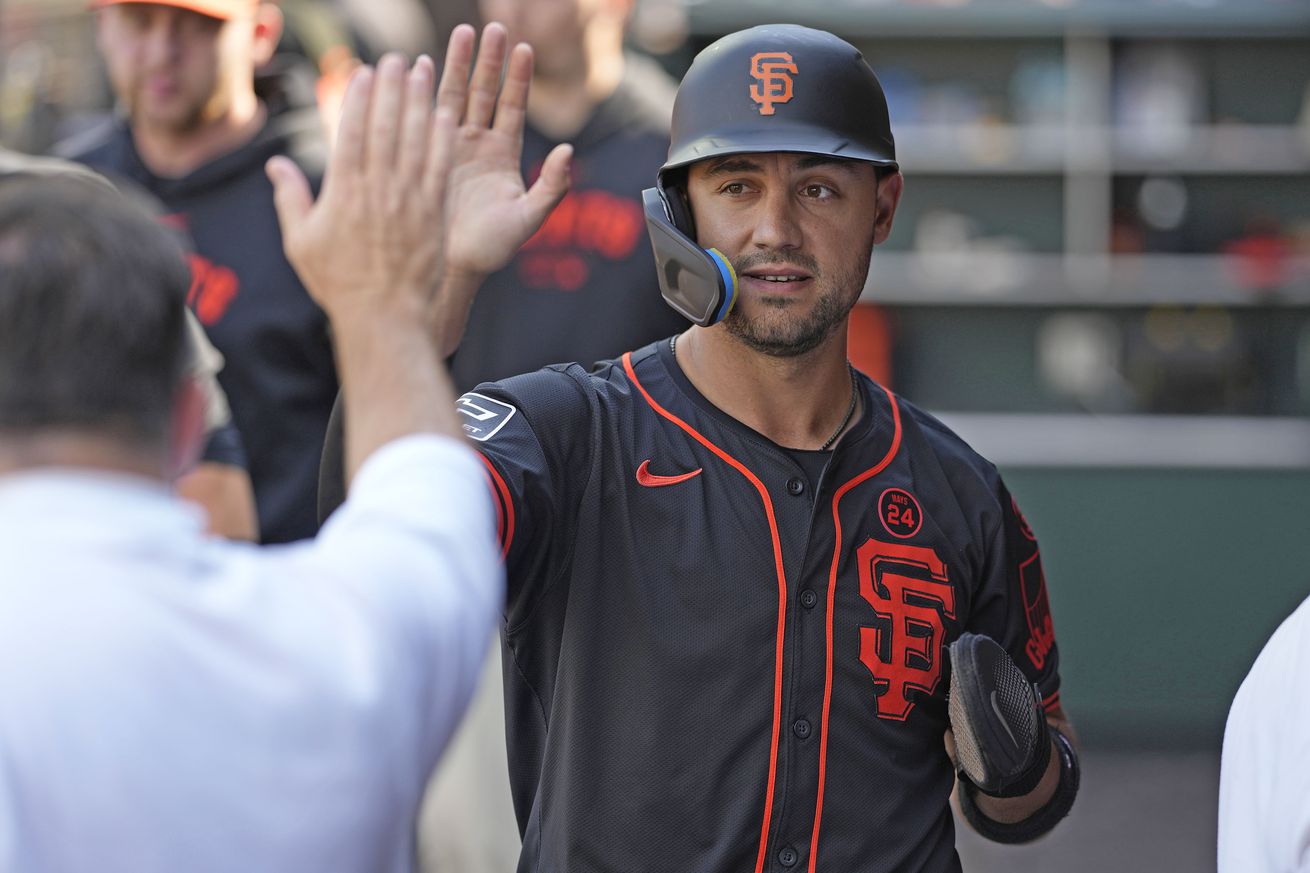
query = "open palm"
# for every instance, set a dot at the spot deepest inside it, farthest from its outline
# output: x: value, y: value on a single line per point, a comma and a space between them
x: 491, y: 211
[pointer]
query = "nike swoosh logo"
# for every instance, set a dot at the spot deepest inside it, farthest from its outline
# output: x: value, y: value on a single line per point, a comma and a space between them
x: 996, y: 709
x: 650, y: 480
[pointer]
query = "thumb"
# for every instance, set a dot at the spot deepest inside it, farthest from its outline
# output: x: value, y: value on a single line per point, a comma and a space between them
x: 553, y: 183
x: 291, y: 195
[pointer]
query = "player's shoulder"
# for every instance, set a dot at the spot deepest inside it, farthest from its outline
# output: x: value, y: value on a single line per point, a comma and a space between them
x: 924, y: 425
x: 551, y: 399
x: 922, y: 431
x: 101, y: 146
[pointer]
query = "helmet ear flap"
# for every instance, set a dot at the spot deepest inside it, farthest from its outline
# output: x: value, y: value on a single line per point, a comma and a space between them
x: 673, y: 191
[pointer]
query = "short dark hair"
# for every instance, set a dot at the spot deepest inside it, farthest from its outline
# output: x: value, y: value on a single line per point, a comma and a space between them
x: 92, y: 297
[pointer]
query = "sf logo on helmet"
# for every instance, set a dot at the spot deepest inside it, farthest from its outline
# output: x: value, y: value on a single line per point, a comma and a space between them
x: 773, y: 85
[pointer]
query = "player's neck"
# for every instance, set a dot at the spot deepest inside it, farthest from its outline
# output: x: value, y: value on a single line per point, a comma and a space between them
x: 70, y: 449
x: 796, y: 402
x: 171, y: 154
x: 560, y: 106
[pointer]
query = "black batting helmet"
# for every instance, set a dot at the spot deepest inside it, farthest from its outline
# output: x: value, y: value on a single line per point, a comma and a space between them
x: 780, y: 88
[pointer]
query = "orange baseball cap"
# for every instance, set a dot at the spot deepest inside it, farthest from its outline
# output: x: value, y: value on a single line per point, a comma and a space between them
x: 221, y: 9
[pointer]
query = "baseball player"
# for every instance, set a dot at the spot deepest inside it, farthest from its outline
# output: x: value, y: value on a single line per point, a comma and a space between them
x: 750, y: 591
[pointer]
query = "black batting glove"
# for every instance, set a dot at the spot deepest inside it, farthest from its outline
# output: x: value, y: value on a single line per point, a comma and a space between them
x: 1002, y: 742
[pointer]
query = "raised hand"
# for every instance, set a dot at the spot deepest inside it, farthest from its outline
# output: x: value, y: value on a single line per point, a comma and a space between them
x: 493, y: 212
x: 376, y: 235
x: 371, y: 251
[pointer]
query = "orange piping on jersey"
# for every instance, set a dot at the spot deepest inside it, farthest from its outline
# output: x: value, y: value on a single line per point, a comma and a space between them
x: 782, y: 593
x: 832, y: 588
x: 501, y: 492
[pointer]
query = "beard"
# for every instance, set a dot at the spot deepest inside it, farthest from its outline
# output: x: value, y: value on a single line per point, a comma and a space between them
x: 777, y: 333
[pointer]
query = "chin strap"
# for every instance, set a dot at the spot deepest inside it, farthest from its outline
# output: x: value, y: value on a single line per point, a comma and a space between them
x: 1040, y: 822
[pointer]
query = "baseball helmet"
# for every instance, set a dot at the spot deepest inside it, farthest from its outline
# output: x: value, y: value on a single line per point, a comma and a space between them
x: 772, y: 88
x: 780, y: 88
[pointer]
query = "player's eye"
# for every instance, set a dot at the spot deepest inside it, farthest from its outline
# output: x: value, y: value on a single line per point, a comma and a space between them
x: 818, y: 192
x: 733, y: 188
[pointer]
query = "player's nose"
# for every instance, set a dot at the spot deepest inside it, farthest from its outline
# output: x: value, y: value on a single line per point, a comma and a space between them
x: 776, y: 221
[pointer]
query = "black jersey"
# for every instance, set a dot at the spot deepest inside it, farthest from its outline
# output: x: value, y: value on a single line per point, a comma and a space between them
x: 712, y: 666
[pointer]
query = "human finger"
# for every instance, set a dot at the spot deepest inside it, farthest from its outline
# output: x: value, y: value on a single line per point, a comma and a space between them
x: 441, y: 147
x: 453, y: 91
x: 442, y: 151
x: 551, y: 185
x: 485, y: 84
x: 413, y: 153
x: 291, y: 195
x: 511, y: 109
x: 384, y: 117
x: 348, y: 154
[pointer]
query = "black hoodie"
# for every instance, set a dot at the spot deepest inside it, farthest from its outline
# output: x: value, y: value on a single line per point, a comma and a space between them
x: 584, y: 287
x: 280, y: 377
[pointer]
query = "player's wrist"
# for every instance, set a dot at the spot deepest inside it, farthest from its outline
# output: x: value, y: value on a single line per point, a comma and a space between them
x: 1042, y: 820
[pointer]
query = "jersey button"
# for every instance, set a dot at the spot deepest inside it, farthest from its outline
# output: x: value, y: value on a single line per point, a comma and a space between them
x: 801, y: 728
x: 788, y: 857
x: 808, y: 598
x: 795, y: 486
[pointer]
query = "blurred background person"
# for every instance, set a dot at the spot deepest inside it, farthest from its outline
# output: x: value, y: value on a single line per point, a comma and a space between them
x: 195, y: 131
x: 218, y: 482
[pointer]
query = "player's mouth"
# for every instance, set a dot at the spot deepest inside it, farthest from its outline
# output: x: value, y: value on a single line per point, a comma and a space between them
x: 161, y: 87
x: 778, y: 279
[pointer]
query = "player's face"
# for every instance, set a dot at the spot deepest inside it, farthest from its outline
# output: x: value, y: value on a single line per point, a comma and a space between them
x: 799, y: 230
x: 174, y: 70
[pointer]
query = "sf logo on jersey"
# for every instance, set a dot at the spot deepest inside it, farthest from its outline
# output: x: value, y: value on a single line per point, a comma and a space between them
x: 908, y: 588
x: 773, y: 85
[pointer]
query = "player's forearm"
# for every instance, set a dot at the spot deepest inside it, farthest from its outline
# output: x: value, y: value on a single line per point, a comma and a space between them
x: 448, y: 314
x: 393, y: 382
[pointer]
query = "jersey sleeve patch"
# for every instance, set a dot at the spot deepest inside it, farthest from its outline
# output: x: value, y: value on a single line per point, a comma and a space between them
x: 483, y: 417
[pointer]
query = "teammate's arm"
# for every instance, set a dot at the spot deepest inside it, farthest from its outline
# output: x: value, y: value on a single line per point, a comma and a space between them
x: 497, y: 211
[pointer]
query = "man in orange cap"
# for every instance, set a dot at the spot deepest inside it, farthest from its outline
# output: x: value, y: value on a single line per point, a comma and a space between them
x: 196, y: 127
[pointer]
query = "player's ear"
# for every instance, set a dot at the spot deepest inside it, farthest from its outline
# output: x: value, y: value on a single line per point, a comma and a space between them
x: 186, y: 428
x: 890, y: 187
x: 268, y: 32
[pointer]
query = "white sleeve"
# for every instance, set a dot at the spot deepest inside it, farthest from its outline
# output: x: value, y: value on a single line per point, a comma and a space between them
x: 416, y: 542
x: 1264, y: 781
